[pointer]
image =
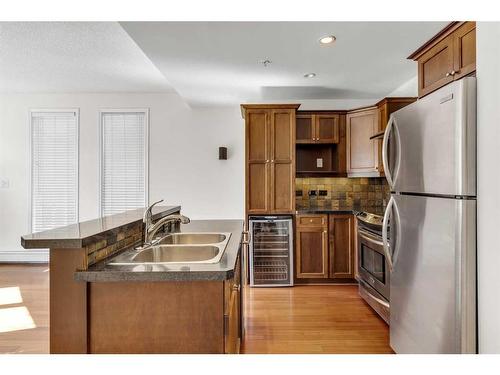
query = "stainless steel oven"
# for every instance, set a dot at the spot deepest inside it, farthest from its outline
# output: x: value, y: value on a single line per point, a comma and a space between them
x: 373, y: 267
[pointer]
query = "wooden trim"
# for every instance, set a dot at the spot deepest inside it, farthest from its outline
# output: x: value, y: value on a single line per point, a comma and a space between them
x: 245, y: 107
x: 392, y: 99
x: 361, y: 109
x: 322, y: 112
x: 448, y: 29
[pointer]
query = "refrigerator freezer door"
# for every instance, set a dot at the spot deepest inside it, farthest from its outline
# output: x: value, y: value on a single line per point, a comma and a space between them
x: 433, y: 288
x: 432, y: 143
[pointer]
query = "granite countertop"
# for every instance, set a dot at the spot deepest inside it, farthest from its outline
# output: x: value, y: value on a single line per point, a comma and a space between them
x: 327, y: 207
x: 223, y: 270
x: 81, y: 234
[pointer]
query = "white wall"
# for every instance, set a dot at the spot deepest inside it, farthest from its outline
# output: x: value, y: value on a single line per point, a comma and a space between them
x: 488, y: 184
x: 184, y: 165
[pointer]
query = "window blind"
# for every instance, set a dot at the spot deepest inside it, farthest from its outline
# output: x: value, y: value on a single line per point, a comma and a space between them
x: 54, y: 169
x: 123, y: 161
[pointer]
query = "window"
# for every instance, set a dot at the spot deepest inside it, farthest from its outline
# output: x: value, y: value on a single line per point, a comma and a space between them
x: 54, y: 168
x: 124, y: 160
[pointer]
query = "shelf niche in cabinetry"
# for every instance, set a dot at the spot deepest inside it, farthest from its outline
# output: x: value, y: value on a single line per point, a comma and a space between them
x: 306, y: 160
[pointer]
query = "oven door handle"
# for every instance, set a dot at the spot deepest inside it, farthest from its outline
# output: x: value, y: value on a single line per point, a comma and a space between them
x: 385, y: 241
x: 369, y: 238
x: 380, y: 301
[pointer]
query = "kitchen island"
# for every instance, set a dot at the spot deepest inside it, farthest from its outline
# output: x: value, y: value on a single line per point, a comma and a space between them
x: 100, y: 307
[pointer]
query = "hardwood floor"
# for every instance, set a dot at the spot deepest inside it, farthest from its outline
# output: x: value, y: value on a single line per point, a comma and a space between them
x: 312, y: 319
x: 24, y: 309
x: 302, y: 319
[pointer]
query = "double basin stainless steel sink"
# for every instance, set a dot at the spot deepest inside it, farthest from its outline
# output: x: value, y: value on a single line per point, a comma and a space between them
x: 178, y: 248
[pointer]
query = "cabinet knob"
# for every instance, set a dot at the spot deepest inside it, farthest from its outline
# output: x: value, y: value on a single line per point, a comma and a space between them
x: 453, y: 72
x: 310, y: 220
x: 448, y: 74
x: 267, y: 161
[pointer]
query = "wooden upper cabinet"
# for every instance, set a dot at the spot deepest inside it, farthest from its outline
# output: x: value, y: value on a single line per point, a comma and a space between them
x: 327, y: 128
x: 362, y: 152
x: 270, y: 158
x: 317, y: 128
x: 341, y: 240
x: 448, y: 56
x: 311, y: 247
x: 258, y: 156
x: 464, y: 45
x: 305, y: 128
x: 282, y: 160
x: 435, y: 67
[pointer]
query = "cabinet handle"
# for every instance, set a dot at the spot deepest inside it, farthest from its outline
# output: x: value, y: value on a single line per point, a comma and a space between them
x: 236, y: 288
x: 267, y: 161
x: 448, y: 74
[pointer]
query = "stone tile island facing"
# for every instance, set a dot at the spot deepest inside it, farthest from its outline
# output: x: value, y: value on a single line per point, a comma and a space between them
x: 100, y: 303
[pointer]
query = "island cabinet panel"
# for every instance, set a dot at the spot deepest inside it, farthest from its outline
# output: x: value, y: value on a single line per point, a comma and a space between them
x: 312, y: 246
x: 156, y: 317
x: 341, y: 241
x: 448, y: 56
x: 68, y: 302
x: 270, y: 158
x: 362, y: 152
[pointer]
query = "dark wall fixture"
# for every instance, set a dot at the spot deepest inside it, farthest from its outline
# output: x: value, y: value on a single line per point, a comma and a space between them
x: 222, y: 153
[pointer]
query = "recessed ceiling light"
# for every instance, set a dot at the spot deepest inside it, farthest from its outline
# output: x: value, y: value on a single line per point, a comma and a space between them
x: 327, y: 39
x: 310, y: 75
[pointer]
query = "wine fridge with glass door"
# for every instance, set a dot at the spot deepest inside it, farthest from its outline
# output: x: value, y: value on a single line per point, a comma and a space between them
x: 271, y: 251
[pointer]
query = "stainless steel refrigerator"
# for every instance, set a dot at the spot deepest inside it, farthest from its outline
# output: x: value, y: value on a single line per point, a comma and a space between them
x: 429, y: 156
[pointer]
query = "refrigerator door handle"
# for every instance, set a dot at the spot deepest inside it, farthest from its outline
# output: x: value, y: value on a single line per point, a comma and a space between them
x: 391, y: 177
x: 397, y: 235
x: 385, y: 150
x: 385, y: 240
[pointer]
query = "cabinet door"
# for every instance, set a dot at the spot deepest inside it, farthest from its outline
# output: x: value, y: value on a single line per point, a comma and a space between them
x: 312, y: 252
x: 435, y: 67
x: 327, y: 128
x: 232, y: 323
x: 362, y: 152
x: 464, y: 50
x: 258, y: 159
x: 282, y: 192
x: 341, y: 238
x: 305, y: 129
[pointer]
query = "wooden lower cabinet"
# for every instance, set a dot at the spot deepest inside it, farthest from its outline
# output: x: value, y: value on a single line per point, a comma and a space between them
x: 165, y: 317
x: 341, y: 243
x: 312, y: 247
x: 324, y: 247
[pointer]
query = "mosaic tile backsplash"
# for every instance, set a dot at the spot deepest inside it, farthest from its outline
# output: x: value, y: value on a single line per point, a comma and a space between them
x: 342, y: 192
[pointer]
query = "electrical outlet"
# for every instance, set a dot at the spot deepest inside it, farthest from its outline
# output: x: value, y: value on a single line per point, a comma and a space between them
x: 319, y: 162
x: 4, y: 183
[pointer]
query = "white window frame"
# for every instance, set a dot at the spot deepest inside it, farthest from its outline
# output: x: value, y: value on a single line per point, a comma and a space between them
x: 146, y: 150
x: 30, y: 158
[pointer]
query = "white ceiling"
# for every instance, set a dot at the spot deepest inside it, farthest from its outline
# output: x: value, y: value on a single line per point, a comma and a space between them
x: 212, y: 63
x: 73, y: 57
x: 218, y: 62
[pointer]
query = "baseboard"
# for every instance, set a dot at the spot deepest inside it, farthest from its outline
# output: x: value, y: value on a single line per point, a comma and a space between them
x: 24, y: 256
